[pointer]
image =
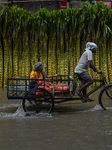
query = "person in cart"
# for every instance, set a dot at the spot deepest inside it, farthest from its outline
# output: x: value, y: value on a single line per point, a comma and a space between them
x: 38, y: 73
x: 81, y: 70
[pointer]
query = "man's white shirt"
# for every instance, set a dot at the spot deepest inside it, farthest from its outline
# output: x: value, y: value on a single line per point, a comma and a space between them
x: 83, y: 63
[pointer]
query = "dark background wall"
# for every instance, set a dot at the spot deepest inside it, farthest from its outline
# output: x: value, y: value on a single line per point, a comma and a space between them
x: 35, y: 6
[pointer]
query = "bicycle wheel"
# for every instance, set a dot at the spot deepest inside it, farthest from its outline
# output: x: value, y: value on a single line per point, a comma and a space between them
x: 38, y: 100
x: 105, y: 97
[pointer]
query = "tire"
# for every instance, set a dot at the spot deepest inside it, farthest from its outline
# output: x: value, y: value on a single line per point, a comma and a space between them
x: 35, y: 103
x: 105, y: 97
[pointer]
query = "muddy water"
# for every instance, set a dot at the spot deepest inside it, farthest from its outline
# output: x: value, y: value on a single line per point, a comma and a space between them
x: 72, y: 126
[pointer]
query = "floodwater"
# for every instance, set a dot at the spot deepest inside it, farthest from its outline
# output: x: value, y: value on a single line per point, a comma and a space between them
x: 72, y: 126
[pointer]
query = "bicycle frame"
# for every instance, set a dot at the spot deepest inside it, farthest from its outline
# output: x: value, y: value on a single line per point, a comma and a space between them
x: 103, y: 83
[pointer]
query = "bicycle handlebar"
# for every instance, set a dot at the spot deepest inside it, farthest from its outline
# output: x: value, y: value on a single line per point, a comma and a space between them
x: 102, y: 74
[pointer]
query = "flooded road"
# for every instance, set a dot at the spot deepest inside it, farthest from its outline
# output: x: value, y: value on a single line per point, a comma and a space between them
x: 72, y: 126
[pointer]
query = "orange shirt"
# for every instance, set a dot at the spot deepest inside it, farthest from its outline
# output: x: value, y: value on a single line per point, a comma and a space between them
x: 35, y: 75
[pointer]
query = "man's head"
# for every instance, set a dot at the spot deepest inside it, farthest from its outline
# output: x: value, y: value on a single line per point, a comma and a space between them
x: 91, y: 46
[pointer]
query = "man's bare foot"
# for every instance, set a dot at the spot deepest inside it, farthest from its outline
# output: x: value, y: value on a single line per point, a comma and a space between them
x: 84, y: 98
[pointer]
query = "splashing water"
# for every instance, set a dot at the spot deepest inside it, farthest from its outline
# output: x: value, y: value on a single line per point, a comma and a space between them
x: 16, y: 111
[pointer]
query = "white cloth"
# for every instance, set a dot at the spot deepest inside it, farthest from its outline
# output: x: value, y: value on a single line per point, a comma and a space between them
x: 83, y: 63
x: 90, y: 45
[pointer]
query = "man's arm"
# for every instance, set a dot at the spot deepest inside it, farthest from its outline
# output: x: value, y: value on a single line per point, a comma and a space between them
x: 50, y: 76
x: 94, y: 67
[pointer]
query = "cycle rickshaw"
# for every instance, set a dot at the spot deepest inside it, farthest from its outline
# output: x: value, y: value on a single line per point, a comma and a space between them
x: 55, y: 90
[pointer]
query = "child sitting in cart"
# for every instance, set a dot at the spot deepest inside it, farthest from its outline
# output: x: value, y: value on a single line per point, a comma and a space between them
x: 38, y: 73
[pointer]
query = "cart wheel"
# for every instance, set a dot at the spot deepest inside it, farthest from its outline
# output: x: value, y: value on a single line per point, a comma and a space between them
x: 38, y: 100
x: 105, y: 97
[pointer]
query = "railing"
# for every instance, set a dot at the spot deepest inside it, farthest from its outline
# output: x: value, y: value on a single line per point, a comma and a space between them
x: 18, y: 87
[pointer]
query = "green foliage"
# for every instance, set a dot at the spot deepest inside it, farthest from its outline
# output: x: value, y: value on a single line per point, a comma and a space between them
x: 32, y: 37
